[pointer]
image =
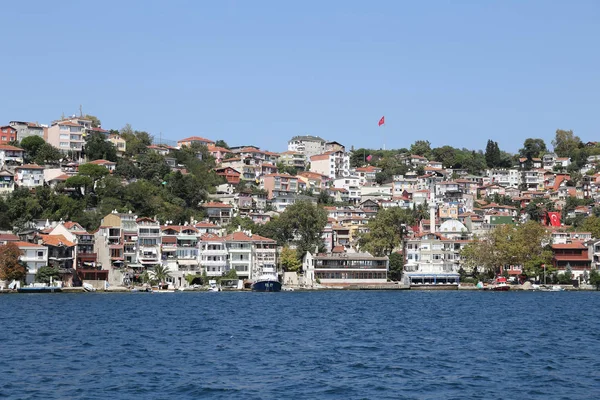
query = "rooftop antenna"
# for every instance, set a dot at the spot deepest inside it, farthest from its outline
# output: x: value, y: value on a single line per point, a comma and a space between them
x: 80, y: 111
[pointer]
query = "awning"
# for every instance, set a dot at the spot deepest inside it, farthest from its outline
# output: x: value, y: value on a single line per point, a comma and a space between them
x: 187, y: 262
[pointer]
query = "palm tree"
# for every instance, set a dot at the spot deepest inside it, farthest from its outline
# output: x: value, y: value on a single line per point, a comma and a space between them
x: 161, y: 273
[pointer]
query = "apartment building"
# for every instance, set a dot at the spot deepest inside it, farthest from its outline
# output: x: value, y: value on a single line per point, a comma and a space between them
x: 7, y: 134
x: 334, y: 164
x: 307, y: 145
x: 67, y: 136
x: 10, y: 155
x: 26, y: 129
x: 29, y: 175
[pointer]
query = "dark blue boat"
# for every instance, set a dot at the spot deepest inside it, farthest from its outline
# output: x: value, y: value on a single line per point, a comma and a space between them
x: 267, y: 281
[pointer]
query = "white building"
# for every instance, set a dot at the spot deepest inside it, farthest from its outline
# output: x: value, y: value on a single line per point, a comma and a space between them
x: 503, y: 177
x: 29, y: 175
x: 34, y: 257
x: 307, y: 145
x: 333, y: 164
x: 352, y: 185
x: 344, y: 269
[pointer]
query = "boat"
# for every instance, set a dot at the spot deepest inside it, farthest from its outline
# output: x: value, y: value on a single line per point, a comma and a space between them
x: 212, y: 286
x: 500, y: 285
x: 88, y: 287
x: 39, y: 288
x: 267, y: 280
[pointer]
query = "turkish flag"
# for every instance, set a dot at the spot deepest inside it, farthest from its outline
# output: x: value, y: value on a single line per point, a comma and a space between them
x: 382, y: 121
x: 554, y: 218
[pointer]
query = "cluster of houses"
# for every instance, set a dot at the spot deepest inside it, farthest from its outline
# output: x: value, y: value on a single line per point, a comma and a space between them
x: 125, y: 245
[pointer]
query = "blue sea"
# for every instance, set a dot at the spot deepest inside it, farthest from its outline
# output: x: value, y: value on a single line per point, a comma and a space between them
x: 301, y: 345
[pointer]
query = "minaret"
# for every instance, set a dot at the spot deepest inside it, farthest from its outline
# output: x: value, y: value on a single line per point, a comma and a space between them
x: 432, y: 209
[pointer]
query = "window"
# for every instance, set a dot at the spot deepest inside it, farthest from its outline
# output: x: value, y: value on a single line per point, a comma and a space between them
x: 64, y: 144
x: 64, y: 136
x: 40, y: 254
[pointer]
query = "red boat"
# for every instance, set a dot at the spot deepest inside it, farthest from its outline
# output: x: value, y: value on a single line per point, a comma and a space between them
x: 500, y: 284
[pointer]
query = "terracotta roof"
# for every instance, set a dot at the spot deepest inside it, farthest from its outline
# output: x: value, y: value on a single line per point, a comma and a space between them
x: 573, y: 245
x: 210, y: 237
x: 56, y: 240
x: 29, y: 166
x: 62, y: 177
x: 102, y: 162
x: 9, y: 147
x: 282, y: 176
x: 27, y: 244
x: 97, y: 130
x: 195, y: 139
x: 370, y: 168
x: 69, y: 123
x: 205, y: 225
x: 217, y: 148
x: 214, y: 204
x: 8, y: 237
x: 243, y: 237
x: 178, y: 228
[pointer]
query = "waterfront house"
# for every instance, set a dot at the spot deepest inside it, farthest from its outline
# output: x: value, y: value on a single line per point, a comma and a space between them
x: 344, y: 269
x: 34, y: 256
x: 573, y: 255
x: 61, y: 255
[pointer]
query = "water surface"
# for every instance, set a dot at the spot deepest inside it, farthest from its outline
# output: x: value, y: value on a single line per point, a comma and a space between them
x: 301, y: 345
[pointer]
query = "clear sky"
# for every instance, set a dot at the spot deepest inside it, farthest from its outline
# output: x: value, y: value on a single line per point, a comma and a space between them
x: 258, y: 72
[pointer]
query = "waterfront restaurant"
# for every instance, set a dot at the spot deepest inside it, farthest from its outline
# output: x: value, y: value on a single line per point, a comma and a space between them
x: 344, y: 269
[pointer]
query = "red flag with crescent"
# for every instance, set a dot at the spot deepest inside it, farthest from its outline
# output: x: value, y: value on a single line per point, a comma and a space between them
x: 554, y: 218
x: 382, y: 121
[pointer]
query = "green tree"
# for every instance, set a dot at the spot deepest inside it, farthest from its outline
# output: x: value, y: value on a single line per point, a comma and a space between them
x: 95, y: 172
x: 533, y: 148
x: 10, y: 265
x: 137, y: 142
x: 46, y: 274
x: 47, y: 154
x: 396, y: 266
x: 98, y: 148
x: 386, y: 231
x: 31, y: 145
x: 565, y: 143
x: 421, y: 148
x: 493, y: 156
x: 222, y: 143
x: 161, y: 273
x: 307, y: 221
x: 127, y: 169
x: 592, y: 224
x: 95, y: 121
x: 153, y: 167
x: 289, y: 260
x: 595, y: 278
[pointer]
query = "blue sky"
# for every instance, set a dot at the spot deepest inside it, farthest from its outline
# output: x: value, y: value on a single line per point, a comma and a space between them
x: 258, y: 72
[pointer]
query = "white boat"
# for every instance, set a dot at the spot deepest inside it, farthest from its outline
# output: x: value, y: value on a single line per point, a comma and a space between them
x: 212, y: 286
x: 88, y: 287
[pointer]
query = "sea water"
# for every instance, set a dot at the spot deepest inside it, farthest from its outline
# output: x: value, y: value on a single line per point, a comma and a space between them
x: 301, y: 345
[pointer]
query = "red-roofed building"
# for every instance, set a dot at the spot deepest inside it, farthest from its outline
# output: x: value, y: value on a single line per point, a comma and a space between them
x: 7, y: 134
x: 230, y: 174
x: 34, y: 256
x: 105, y: 163
x: 194, y: 139
x: 574, y: 255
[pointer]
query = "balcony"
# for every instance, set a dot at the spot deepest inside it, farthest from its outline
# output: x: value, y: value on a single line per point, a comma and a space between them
x: 213, y: 263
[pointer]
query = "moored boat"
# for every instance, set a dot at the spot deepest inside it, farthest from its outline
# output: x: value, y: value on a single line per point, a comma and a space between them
x: 500, y: 284
x: 267, y: 281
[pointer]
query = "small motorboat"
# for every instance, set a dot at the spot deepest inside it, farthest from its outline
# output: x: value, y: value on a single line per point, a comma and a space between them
x: 500, y: 285
x: 213, y: 287
x: 88, y: 287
